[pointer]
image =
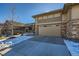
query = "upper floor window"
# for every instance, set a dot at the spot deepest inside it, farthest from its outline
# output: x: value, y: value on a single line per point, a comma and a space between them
x: 50, y: 16
x: 57, y: 15
x: 39, y: 18
x: 44, y: 17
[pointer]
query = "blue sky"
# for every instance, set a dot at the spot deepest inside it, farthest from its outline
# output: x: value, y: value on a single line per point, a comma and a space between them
x: 25, y: 11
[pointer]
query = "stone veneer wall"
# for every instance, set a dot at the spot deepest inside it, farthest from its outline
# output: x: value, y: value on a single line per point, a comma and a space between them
x: 74, y: 29
x: 72, y: 24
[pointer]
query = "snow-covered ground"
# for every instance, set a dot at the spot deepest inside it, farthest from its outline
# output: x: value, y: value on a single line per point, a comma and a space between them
x: 12, y: 42
x: 4, y: 39
x: 16, y: 40
x: 9, y: 37
x: 73, y: 47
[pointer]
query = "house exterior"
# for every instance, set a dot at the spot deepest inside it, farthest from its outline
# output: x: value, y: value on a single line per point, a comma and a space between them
x: 62, y: 22
x: 49, y: 24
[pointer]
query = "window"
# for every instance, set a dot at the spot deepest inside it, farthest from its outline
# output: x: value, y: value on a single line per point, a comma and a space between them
x: 45, y: 25
x: 50, y: 16
x: 44, y: 17
x: 57, y: 25
x: 57, y: 15
x: 39, y: 18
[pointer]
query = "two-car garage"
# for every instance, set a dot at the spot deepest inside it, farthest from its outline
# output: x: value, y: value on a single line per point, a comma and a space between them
x: 50, y: 30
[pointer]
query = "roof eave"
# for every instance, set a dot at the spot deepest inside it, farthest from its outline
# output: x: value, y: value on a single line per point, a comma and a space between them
x: 55, y: 11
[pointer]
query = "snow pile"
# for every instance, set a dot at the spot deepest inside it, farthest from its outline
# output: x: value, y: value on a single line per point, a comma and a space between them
x: 3, y: 39
x: 9, y: 37
x: 17, y: 40
x: 73, y: 47
x: 17, y: 35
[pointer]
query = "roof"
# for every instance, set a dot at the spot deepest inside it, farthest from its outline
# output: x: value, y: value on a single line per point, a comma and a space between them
x: 65, y: 8
x: 15, y: 23
x: 18, y: 24
x: 54, y: 11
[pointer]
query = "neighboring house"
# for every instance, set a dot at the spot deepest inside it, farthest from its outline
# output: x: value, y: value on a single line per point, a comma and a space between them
x: 62, y: 22
x: 1, y: 26
x: 30, y: 27
x: 18, y: 28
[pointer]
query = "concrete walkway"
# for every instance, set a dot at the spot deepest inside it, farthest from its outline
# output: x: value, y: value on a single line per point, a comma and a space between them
x: 40, y: 46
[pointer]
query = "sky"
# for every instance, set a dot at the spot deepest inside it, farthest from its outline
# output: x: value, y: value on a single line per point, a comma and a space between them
x: 23, y: 12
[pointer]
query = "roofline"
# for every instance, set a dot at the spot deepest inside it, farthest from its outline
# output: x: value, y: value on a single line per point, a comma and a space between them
x: 54, y: 11
x: 63, y: 10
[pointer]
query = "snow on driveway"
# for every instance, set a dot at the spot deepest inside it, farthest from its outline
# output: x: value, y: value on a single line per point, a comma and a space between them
x: 73, y: 47
x: 17, y: 40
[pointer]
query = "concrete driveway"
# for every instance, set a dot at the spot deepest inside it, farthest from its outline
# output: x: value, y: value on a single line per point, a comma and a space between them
x: 40, y: 46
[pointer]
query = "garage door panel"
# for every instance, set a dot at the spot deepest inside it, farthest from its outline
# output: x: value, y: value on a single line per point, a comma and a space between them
x: 50, y: 31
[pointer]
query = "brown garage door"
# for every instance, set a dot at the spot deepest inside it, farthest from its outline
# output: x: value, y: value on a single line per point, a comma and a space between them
x: 50, y: 30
